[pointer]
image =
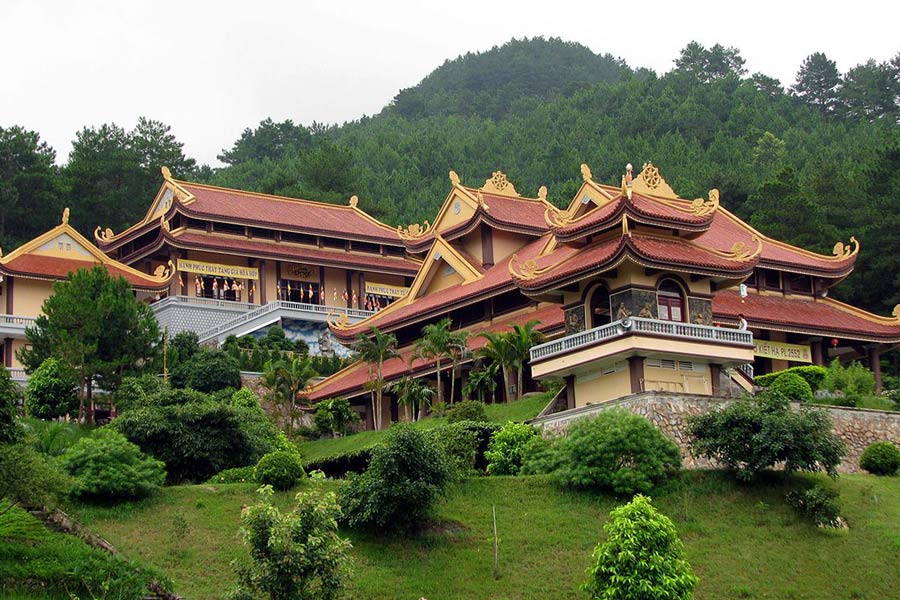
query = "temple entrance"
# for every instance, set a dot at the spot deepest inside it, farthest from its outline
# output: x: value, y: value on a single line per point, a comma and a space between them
x: 599, y: 307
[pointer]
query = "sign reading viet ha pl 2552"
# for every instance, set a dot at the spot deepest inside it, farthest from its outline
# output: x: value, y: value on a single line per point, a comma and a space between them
x: 217, y: 270
x: 782, y: 351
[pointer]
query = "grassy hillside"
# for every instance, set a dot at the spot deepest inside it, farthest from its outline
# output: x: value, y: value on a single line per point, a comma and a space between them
x: 520, y: 410
x: 743, y: 542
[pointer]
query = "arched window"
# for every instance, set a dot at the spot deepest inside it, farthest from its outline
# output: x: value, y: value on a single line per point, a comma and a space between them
x: 599, y: 307
x: 669, y: 301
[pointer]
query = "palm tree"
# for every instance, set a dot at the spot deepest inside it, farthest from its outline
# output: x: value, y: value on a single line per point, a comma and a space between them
x: 481, y: 382
x: 435, y: 345
x: 375, y: 348
x: 459, y: 350
x: 523, y: 338
x: 501, y: 351
x: 414, y: 393
x: 285, y: 379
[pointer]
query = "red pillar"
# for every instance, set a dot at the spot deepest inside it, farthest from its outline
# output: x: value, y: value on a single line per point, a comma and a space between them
x: 875, y: 366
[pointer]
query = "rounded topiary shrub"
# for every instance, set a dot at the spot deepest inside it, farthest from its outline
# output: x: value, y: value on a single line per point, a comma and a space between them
x: 281, y: 469
x: 52, y: 390
x: 793, y: 387
x: 504, y: 454
x: 881, y: 458
x: 467, y: 410
x: 106, y: 465
x: 617, y: 451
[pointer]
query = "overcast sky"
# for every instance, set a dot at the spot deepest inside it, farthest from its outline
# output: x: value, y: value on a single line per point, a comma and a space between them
x: 212, y: 68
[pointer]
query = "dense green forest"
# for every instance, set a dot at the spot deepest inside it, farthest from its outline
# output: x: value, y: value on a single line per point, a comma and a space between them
x: 810, y: 161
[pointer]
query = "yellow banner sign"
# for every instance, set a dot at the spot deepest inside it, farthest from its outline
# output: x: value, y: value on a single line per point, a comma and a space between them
x: 782, y: 351
x: 383, y: 289
x: 216, y: 270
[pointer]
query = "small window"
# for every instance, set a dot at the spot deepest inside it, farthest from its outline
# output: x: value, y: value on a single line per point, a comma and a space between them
x: 771, y: 279
x: 670, y: 303
x: 801, y: 284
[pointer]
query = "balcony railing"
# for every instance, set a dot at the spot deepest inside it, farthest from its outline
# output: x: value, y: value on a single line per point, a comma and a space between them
x: 652, y: 327
x: 16, y: 320
x: 195, y: 301
x: 286, y: 306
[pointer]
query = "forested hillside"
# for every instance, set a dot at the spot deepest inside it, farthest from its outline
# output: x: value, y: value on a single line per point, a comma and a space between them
x: 810, y: 161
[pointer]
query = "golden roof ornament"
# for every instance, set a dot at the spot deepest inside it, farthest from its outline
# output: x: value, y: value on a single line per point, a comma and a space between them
x: 650, y: 181
x: 163, y: 223
x: 413, y: 231
x: 481, y: 202
x: 702, y: 208
x: 164, y: 271
x: 528, y: 269
x: 896, y: 312
x: 354, y: 201
x: 841, y: 251
x: 338, y: 321
x: 454, y: 178
x: 557, y: 217
x: 166, y: 173
x: 65, y: 216
x: 741, y: 251
x: 542, y: 193
x: 499, y: 184
x: 104, y: 235
x: 586, y: 174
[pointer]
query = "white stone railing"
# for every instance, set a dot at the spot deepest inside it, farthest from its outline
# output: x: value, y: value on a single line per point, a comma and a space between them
x: 16, y: 320
x: 655, y: 327
x: 746, y: 369
x: 18, y: 374
x: 282, y: 305
x: 196, y: 301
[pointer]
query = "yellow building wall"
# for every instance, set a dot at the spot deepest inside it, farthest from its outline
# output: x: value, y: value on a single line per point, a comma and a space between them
x: 778, y: 364
x: 335, y: 281
x: 676, y: 380
x: 451, y: 217
x: 506, y: 243
x: 471, y: 244
x: 593, y: 389
x: 29, y: 296
x: 16, y: 346
x: 443, y: 278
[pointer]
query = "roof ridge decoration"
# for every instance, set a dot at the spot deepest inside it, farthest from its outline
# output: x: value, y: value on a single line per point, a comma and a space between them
x: 698, y: 207
x: 740, y: 251
x: 498, y: 183
x: 557, y: 217
x: 414, y: 231
x: 338, y: 321
x: 649, y: 181
x: 842, y: 251
x: 528, y: 269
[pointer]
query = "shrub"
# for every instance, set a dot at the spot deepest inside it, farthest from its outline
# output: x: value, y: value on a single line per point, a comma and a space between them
x: 135, y: 392
x: 854, y: 378
x: 199, y: 438
x: 406, y: 475
x: 10, y: 430
x: 280, y: 469
x: 245, y: 398
x: 339, y: 465
x: 892, y: 396
x: 467, y: 410
x: 880, y: 458
x: 235, y: 475
x: 813, y: 374
x: 793, y: 387
x: 617, y: 450
x: 641, y: 559
x: 54, y: 438
x: 294, y: 556
x: 459, y: 445
x: 52, y: 390
x: 817, y: 504
x: 208, y: 371
x: 752, y: 435
x: 335, y: 417
x: 504, y: 455
x: 106, y: 465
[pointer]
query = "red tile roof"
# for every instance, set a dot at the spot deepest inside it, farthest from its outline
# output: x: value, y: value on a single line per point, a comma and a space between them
x: 727, y: 229
x: 492, y: 282
x: 351, y: 379
x: 283, y: 250
x: 567, y: 262
x: 806, y: 315
x: 265, y: 210
x: 54, y: 268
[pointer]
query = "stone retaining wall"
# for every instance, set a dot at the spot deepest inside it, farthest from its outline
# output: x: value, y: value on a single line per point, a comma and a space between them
x: 858, y: 427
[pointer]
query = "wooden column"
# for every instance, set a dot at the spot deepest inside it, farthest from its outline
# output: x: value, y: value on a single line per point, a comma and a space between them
x: 875, y: 366
x: 570, y: 391
x: 362, y: 290
x: 261, y: 292
x: 175, y: 284
x: 818, y: 356
x: 9, y: 295
x: 715, y: 372
x: 636, y: 370
x: 7, y: 352
x: 323, y: 295
x: 349, y: 288
x: 487, y: 246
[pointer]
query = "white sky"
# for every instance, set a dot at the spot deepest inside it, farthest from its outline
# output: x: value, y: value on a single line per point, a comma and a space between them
x: 211, y: 68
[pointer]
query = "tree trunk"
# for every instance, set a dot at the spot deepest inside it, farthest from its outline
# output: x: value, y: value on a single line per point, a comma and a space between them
x: 452, y: 382
x: 505, y: 384
x: 520, y: 376
x: 440, y: 388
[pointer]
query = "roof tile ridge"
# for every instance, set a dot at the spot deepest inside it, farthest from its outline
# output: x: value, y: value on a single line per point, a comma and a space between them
x: 864, y: 314
x: 738, y: 253
x: 741, y: 223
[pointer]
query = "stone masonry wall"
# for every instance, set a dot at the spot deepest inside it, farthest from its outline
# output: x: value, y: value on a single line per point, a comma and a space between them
x: 856, y: 426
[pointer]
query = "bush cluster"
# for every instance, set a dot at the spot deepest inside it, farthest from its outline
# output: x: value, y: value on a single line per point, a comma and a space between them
x: 235, y: 475
x: 880, y: 458
x: 467, y: 410
x: 281, y: 469
x: 406, y: 475
x: 335, y: 417
x: 617, y: 451
x: 816, y: 504
x: 793, y: 387
x: 813, y: 374
x: 852, y: 379
x: 52, y: 390
x: 753, y: 435
x: 504, y: 454
x: 208, y: 371
x: 105, y: 465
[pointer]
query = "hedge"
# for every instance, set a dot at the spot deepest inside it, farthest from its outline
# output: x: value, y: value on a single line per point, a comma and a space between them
x: 813, y: 374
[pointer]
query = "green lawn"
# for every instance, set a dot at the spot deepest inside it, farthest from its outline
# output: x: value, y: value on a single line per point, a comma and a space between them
x: 742, y: 541
x: 520, y: 410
